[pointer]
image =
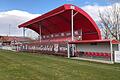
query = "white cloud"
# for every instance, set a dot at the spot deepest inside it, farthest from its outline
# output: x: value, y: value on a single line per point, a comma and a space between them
x: 93, y: 10
x: 13, y: 18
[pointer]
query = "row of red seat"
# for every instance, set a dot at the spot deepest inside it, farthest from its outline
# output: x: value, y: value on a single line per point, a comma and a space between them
x: 97, y: 54
x: 94, y: 54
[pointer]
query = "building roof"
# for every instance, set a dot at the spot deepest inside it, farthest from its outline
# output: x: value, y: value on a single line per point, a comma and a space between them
x: 95, y: 41
x: 59, y: 20
x: 14, y: 38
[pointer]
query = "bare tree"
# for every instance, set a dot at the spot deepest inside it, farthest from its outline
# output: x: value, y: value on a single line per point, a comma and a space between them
x: 110, y: 21
x: 104, y: 30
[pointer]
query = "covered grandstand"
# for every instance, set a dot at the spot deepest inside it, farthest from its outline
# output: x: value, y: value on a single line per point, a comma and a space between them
x: 64, y: 30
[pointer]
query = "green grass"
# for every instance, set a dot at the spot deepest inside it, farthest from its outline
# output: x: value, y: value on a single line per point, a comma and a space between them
x: 25, y: 66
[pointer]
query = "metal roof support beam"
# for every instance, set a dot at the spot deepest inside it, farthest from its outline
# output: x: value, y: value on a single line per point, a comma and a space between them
x: 68, y: 53
x: 111, y: 48
x: 23, y: 32
x: 24, y: 29
x: 40, y: 33
x: 72, y: 32
x: 72, y: 28
x: 75, y: 14
x: 81, y: 33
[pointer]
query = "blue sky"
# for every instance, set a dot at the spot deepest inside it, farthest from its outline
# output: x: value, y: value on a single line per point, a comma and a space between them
x: 42, y: 6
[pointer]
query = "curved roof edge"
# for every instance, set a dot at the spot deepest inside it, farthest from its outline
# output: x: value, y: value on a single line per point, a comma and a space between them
x: 60, y: 10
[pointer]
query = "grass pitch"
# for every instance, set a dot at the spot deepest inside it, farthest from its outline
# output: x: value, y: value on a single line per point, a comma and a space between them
x: 25, y: 66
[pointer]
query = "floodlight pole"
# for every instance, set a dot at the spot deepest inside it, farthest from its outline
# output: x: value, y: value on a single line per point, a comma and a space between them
x: 9, y: 29
x: 81, y: 34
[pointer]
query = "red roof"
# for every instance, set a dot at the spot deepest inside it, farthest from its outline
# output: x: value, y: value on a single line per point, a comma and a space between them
x: 14, y: 38
x: 115, y: 42
x: 59, y: 20
x: 95, y: 41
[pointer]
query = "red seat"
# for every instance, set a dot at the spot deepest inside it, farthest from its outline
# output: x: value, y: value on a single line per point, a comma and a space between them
x: 109, y: 54
x: 84, y: 53
x: 97, y: 54
x: 102, y: 54
x: 106, y: 54
x: 88, y: 53
x: 93, y: 53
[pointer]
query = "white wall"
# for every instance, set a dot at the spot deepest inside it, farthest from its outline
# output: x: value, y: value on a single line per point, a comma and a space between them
x: 100, y: 47
x: 7, y: 47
